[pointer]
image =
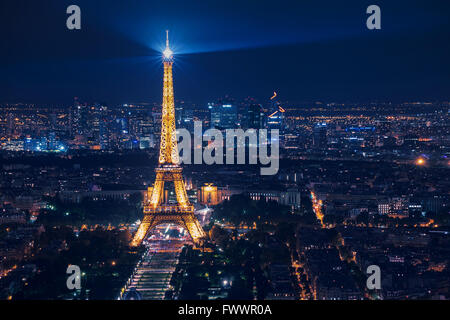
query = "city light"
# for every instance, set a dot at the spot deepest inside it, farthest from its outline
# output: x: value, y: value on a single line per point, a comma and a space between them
x: 420, y: 161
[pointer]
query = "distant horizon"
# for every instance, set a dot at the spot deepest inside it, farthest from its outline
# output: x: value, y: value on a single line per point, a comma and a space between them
x: 298, y: 104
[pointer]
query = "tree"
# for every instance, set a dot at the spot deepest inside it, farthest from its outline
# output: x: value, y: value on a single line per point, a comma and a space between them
x: 219, y: 236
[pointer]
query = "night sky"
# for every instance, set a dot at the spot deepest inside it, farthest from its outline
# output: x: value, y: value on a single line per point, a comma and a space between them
x: 305, y: 50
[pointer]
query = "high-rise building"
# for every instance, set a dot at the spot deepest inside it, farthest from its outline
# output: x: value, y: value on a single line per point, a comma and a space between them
x: 252, y: 117
x: 51, y: 146
x: 187, y: 119
x: 180, y: 106
x: 320, y: 136
x: 275, y: 118
x: 104, y: 135
x: 223, y: 115
x: 78, y: 118
x: 11, y: 123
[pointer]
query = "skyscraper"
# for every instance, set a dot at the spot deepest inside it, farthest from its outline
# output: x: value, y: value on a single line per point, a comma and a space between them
x: 223, y: 114
x: 320, y: 136
x: 253, y: 119
x: 275, y: 118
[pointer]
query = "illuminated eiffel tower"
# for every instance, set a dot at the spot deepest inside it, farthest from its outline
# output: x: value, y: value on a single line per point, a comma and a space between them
x: 156, y: 210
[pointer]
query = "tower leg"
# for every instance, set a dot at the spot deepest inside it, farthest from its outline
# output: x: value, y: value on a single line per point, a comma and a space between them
x: 158, y: 190
x: 142, y: 231
x: 187, y: 221
x: 180, y: 190
x: 192, y: 225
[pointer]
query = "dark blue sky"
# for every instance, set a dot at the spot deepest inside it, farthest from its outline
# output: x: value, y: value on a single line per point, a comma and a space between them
x: 305, y: 50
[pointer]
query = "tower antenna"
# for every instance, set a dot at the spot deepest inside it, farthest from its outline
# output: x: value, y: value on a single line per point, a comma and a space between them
x: 167, y: 38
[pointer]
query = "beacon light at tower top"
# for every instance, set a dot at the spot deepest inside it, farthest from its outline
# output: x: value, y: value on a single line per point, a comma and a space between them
x: 168, y: 53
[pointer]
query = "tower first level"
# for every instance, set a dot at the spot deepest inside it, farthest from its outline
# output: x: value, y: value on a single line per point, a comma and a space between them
x: 157, y: 211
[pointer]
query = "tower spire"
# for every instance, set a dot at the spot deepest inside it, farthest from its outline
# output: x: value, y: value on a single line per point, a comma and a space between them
x: 167, y: 38
x: 168, y: 54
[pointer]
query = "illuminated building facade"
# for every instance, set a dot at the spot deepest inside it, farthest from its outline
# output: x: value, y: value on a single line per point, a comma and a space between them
x: 320, y: 136
x: 276, y: 117
x: 209, y: 195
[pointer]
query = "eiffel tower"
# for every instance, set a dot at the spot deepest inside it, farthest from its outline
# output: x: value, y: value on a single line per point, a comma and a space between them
x: 156, y: 210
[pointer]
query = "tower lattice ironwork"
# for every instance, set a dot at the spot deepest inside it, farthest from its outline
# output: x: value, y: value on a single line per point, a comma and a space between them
x: 156, y: 211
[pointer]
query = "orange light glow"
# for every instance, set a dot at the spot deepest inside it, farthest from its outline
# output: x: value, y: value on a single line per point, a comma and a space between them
x: 317, y: 208
x: 420, y: 161
x: 273, y: 114
x: 274, y: 96
x: 427, y: 224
